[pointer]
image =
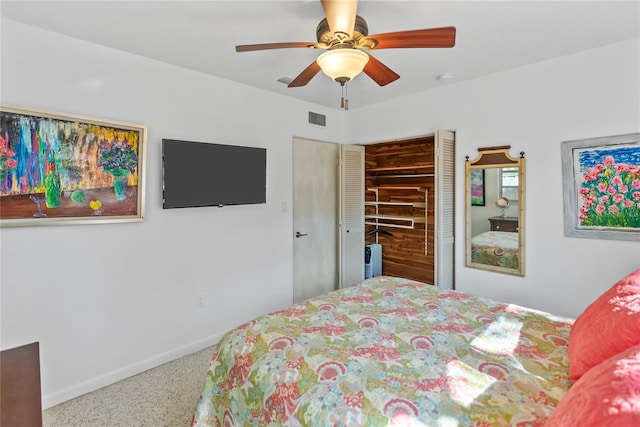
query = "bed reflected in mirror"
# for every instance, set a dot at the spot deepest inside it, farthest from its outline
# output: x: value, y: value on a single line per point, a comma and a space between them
x: 494, y: 205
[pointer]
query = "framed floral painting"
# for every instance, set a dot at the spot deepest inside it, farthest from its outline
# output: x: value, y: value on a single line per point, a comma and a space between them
x: 601, y: 178
x: 63, y: 169
x: 477, y: 187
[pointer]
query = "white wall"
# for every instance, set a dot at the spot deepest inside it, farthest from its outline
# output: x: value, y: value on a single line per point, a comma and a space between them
x: 108, y: 301
x: 590, y: 94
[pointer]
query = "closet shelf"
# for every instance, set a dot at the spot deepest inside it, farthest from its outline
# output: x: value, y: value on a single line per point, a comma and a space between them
x: 400, y: 168
x: 410, y: 171
x: 378, y: 224
x: 394, y: 225
x: 397, y: 187
x: 413, y: 219
x: 417, y: 175
x: 400, y: 221
x: 412, y: 204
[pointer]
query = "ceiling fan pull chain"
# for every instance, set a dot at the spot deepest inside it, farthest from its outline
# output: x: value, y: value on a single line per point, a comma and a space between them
x: 346, y: 96
x: 344, y: 102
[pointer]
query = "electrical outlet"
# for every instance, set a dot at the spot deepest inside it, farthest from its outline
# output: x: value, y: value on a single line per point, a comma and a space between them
x: 201, y: 300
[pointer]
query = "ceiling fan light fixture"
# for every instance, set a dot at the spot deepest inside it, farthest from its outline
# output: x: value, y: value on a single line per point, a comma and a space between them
x: 343, y: 64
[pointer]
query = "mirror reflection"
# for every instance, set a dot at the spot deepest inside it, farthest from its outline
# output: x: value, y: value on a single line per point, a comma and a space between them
x: 495, y: 211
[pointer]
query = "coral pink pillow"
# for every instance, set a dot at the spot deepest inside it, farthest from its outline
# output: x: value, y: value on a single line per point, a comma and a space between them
x: 609, y: 325
x: 606, y: 396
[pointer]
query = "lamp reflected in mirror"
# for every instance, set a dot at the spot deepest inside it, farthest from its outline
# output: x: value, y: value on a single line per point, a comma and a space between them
x: 503, y: 203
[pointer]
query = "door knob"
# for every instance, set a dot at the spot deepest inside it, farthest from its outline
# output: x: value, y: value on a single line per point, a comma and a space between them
x: 298, y: 234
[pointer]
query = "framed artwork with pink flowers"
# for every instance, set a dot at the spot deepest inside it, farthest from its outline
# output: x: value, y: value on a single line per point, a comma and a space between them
x: 601, y: 182
x: 60, y: 169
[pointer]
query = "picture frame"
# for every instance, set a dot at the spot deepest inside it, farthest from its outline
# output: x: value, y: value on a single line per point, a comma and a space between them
x: 477, y: 187
x: 601, y: 187
x: 58, y: 169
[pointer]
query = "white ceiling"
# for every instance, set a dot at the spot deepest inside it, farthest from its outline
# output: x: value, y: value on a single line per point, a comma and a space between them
x: 201, y: 35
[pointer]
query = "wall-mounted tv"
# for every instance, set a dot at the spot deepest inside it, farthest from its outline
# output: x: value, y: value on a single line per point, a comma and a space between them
x: 198, y: 174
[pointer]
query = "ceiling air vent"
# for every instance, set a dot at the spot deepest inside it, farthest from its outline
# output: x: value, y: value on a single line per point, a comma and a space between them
x: 285, y: 80
x: 317, y: 119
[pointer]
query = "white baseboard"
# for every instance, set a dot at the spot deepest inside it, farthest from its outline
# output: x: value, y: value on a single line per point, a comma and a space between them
x: 68, y: 393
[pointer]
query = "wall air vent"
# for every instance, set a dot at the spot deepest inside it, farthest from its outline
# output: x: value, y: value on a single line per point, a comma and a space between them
x: 317, y: 119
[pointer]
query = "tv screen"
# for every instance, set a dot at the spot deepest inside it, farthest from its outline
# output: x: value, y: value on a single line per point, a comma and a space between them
x: 202, y: 174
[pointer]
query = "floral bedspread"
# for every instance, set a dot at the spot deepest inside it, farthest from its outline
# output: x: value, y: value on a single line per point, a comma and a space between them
x: 389, y: 352
x: 495, y: 248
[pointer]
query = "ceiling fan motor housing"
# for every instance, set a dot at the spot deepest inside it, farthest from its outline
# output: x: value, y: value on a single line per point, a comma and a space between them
x: 341, y: 40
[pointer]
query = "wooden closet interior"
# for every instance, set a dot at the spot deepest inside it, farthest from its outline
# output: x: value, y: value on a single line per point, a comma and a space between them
x: 399, y: 205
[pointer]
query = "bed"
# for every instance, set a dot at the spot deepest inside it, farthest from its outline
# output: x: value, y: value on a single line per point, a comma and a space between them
x: 389, y: 352
x: 499, y: 248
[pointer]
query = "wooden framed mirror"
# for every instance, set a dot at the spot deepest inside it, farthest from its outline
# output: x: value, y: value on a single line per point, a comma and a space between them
x: 494, y: 208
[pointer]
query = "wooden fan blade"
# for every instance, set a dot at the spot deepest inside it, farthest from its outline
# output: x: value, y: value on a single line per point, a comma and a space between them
x: 430, y: 37
x: 379, y: 72
x: 341, y: 15
x: 266, y: 46
x: 305, y: 76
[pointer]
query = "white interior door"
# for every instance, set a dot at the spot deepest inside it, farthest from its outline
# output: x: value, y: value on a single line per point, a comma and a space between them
x: 315, y: 218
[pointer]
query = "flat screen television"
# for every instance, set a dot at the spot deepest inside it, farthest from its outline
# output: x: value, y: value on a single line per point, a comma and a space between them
x: 196, y: 174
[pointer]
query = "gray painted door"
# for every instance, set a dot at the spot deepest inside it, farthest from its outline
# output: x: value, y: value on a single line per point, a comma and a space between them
x: 315, y: 218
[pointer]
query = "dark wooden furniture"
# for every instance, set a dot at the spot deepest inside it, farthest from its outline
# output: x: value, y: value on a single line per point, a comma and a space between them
x: 20, y: 399
x: 507, y: 223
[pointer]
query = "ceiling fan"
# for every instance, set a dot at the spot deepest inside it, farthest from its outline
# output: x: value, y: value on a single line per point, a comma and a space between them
x: 345, y: 37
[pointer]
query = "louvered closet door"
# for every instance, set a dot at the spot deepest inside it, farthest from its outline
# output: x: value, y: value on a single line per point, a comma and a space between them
x: 444, y: 212
x: 351, y: 214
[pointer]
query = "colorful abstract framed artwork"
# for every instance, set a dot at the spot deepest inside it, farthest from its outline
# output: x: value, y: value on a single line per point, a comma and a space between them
x: 60, y: 169
x: 477, y: 187
x: 601, y: 181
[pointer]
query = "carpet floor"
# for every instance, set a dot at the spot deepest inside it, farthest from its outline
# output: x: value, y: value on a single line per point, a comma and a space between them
x: 162, y: 396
